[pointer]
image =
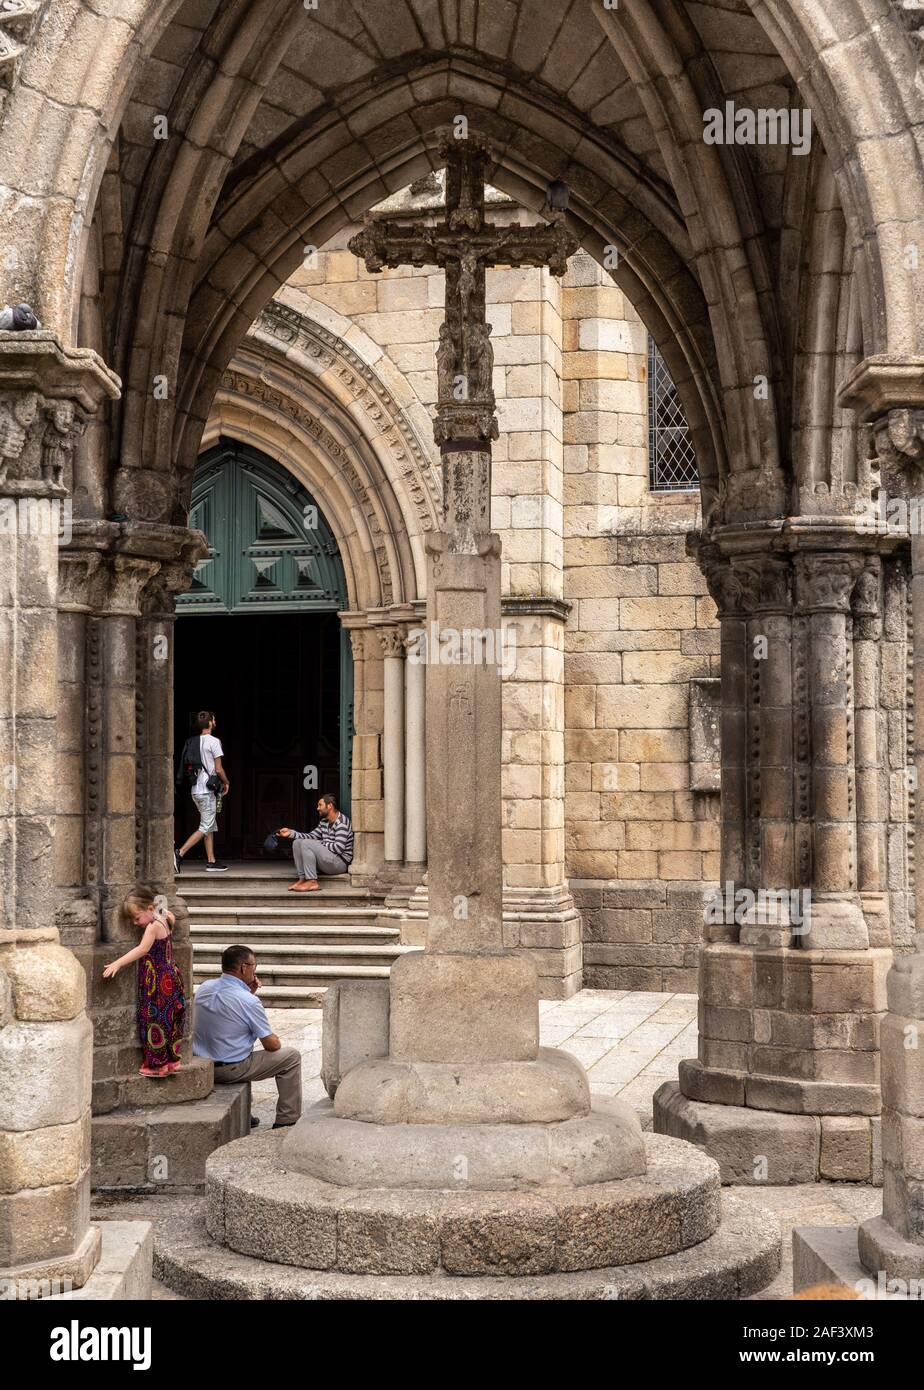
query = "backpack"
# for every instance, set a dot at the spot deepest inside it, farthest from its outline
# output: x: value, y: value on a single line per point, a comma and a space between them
x: 190, y: 762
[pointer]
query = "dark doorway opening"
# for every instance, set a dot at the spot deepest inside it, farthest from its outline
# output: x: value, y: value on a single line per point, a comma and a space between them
x: 274, y: 682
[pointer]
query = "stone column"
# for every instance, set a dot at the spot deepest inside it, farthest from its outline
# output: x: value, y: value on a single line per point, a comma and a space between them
x: 415, y: 781
x: 367, y: 807
x: 786, y: 1084
x: 392, y: 639
x: 893, y: 1244
x: 46, y: 395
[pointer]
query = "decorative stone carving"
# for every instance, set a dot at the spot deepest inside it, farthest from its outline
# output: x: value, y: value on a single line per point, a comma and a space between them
x: 392, y: 639
x: 825, y: 582
x: 282, y: 324
x: 898, y: 438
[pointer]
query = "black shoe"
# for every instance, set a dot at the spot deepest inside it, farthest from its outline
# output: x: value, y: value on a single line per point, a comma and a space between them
x: 254, y: 1121
x: 288, y: 1126
x: 216, y: 868
x: 177, y: 861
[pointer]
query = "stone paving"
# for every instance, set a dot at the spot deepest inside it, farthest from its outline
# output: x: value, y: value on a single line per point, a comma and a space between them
x: 629, y: 1042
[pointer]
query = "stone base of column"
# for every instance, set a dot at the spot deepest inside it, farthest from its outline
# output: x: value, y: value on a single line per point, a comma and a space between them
x: 765, y: 1148
x: 125, y: 1266
x: 786, y: 1086
x: 664, y: 1233
x: 542, y: 923
x: 114, y: 1261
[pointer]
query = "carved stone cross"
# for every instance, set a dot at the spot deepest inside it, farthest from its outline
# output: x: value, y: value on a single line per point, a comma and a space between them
x: 464, y: 244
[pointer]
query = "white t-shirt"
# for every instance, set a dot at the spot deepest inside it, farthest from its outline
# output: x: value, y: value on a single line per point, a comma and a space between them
x: 209, y: 750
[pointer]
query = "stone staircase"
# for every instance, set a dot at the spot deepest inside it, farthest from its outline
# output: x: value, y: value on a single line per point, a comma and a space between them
x: 303, y: 941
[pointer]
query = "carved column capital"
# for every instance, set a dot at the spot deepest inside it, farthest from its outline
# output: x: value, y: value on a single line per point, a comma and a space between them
x: 393, y: 640
x: 764, y: 584
x: 825, y: 582
x: 866, y: 603
x: 127, y: 578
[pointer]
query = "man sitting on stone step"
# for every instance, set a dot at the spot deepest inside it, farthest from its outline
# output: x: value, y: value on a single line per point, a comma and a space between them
x: 228, y: 1019
x: 326, y: 850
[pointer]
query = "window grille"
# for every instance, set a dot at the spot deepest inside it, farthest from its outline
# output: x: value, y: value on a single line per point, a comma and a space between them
x: 671, y: 458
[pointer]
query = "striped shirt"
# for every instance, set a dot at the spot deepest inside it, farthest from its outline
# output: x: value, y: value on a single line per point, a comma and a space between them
x: 336, y: 836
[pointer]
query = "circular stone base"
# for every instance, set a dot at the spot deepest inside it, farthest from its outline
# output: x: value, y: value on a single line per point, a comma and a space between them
x: 741, y: 1258
x: 604, y: 1146
x: 257, y: 1206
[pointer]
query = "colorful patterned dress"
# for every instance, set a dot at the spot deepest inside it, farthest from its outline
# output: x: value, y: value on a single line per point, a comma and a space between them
x: 161, y: 1008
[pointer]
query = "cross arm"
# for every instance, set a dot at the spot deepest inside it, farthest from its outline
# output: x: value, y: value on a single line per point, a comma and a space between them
x: 381, y: 243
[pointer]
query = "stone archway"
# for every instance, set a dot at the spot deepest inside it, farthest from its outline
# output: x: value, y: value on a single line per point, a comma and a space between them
x: 179, y: 244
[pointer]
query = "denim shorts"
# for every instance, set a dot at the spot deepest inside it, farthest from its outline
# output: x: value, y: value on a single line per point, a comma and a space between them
x: 205, y: 805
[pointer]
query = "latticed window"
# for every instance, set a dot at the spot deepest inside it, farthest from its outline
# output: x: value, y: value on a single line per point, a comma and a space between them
x: 671, y: 459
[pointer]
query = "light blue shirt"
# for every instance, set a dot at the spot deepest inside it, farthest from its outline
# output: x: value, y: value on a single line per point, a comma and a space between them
x: 227, y: 1020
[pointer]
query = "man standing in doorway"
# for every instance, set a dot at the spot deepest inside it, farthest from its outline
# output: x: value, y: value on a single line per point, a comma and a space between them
x: 328, y: 849
x: 210, y: 780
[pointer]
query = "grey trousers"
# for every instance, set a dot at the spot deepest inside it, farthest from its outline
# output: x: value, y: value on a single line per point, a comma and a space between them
x: 312, y: 858
x: 285, y: 1065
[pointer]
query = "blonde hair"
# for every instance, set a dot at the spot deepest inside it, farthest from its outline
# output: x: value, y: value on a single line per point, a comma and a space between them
x: 140, y: 899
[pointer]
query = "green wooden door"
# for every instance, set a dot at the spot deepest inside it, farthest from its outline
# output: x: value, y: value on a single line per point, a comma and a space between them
x: 271, y: 552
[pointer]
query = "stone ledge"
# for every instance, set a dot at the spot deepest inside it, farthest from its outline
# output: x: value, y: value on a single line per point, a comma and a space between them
x: 825, y: 1255
x: 165, y: 1149
x: 741, y: 1258
x: 193, y: 1082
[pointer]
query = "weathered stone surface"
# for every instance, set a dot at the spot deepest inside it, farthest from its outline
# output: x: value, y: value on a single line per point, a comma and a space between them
x: 463, y: 1008
x: 846, y: 1148
x: 550, y: 1089
x: 268, y: 1210
x: 751, y: 1147
x: 355, y: 1027
x: 739, y: 1259
x: 601, y: 1147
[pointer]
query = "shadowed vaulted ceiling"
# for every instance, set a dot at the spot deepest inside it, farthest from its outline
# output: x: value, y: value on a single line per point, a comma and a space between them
x: 285, y: 124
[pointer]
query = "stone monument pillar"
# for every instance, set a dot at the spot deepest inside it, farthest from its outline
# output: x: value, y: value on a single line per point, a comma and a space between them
x: 47, y: 393
x: 455, y: 1145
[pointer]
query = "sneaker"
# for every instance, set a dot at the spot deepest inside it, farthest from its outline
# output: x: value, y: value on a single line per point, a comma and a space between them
x: 216, y: 868
x: 177, y: 861
x: 254, y: 1121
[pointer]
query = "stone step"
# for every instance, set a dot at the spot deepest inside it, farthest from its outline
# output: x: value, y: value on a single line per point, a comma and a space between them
x: 236, y: 895
x: 218, y: 914
x: 298, y: 954
x: 270, y: 934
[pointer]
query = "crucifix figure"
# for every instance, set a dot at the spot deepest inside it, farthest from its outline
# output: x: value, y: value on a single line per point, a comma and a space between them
x: 464, y: 244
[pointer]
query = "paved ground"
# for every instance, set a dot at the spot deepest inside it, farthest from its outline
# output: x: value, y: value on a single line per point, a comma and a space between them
x: 629, y: 1043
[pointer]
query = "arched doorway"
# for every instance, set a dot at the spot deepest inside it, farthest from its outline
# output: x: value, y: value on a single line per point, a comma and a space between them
x: 258, y: 640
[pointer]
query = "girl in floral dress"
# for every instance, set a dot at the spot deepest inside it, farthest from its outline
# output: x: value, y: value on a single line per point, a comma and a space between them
x: 161, y: 997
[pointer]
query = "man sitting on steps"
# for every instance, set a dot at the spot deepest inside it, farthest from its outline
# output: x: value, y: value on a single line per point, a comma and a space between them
x: 328, y: 849
x: 228, y: 1018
